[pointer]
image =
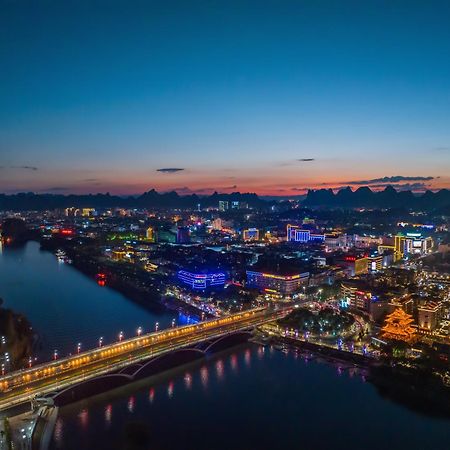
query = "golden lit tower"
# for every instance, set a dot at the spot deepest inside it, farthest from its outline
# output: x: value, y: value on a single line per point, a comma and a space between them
x: 398, y: 326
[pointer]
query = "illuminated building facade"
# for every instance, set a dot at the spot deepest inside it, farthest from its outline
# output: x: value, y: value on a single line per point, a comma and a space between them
x: 150, y: 234
x: 250, y: 234
x: 412, y: 244
x: 429, y: 316
x: 223, y: 205
x: 284, y: 285
x: 87, y: 212
x: 297, y: 234
x: 202, y: 281
x: 356, y: 295
x: 397, y: 326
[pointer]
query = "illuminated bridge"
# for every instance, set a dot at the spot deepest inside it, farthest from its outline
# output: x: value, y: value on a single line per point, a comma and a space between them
x: 109, y: 366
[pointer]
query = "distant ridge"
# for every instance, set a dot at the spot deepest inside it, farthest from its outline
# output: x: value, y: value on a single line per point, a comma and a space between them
x: 362, y: 197
x: 151, y: 199
x: 366, y: 198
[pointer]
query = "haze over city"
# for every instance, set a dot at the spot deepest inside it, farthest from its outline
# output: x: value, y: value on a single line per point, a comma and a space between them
x: 211, y: 96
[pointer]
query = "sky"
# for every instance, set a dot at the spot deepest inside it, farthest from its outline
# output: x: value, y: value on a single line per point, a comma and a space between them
x: 272, y: 97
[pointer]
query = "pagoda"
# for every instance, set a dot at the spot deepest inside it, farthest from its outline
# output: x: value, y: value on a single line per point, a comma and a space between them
x: 397, y: 326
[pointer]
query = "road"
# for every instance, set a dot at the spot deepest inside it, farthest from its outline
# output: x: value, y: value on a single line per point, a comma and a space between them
x: 21, y: 386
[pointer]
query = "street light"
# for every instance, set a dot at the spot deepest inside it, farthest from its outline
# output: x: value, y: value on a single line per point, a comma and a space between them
x: 139, y: 331
x: 55, y: 355
x: 173, y: 323
x: 156, y: 326
x: 120, y: 336
x: 29, y: 361
x: 100, y: 341
x: 78, y: 347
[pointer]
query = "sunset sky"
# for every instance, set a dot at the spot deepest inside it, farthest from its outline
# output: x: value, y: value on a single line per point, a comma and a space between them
x: 270, y: 97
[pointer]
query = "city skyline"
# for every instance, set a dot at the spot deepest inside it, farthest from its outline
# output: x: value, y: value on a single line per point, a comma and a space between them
x: 206, y: 97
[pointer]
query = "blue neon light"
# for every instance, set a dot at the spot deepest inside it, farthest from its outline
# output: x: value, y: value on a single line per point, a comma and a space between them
x: 201, y: 280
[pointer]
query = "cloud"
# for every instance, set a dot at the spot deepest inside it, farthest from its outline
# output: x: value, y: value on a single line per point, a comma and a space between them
x: 441, y: 149
x: 169, y: 170
x: 403, y: 186
x: 183, y: 190
x: 24, y: 167
x: 393, y: 179
x: 56, y: 189
x: 306, y: 159
x: 298, y: 189
x: 212, y: 189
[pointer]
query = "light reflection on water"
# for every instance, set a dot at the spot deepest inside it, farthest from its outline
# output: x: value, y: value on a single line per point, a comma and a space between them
x: 217, y: 374
x: 65, y: 306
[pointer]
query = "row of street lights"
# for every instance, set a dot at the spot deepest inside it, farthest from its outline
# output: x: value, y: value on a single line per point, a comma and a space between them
x: 121, y: 335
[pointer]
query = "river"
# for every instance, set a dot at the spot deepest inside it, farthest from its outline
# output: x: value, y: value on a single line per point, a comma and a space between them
x: 64, y: 306
x: 249, y: 397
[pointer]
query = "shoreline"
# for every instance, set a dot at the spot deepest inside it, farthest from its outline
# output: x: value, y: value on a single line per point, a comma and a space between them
x: 89, y: 266
x: 411, y: 387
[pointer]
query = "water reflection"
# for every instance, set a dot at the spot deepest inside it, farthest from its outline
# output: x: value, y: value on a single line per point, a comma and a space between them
x: 130, y: 404
x: 170, y: 389
x: 344, y: 397
x: 151, y: 395
x: 33, y: 283
x: 220, y: 369
x: 204, y: 376
x: 234, y: 362
x: 188, y: 380
x: 108, y: 414
x: 84, y: 417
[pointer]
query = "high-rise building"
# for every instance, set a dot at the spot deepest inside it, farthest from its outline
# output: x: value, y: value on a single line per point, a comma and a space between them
x: 150, y: 234
x: 223, y: 205
x: 183, y: 235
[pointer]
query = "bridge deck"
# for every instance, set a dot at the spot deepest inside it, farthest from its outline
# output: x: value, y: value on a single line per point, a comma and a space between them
x: 21, y: 386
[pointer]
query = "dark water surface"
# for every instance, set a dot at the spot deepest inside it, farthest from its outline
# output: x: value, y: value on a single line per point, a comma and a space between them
x: 65, y: 306
x: 247, y: 398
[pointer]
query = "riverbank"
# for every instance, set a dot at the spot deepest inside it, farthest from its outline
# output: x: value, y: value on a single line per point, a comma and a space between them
x: 417, y: 389
x: 16, y: 338
x: 129, y: 280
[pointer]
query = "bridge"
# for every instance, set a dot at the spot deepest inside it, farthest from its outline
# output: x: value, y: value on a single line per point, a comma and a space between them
x: 117, y: 359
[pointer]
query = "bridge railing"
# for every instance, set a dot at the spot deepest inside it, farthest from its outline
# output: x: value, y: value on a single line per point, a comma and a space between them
x: 66, y: 364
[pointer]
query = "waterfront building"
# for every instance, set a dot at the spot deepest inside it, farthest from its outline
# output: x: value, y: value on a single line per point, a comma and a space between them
x: 272, y: 283
x: 203, y: 280
x: 429, y: 316
x: 397, y: 326
x: 356, y: 294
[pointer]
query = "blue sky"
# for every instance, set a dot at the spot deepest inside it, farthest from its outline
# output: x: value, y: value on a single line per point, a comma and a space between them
x: 97, y: 96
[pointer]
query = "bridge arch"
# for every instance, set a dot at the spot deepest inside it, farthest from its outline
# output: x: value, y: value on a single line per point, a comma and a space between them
x: 227, y: 340
x: 168, y: 361
x: 91, y: 387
